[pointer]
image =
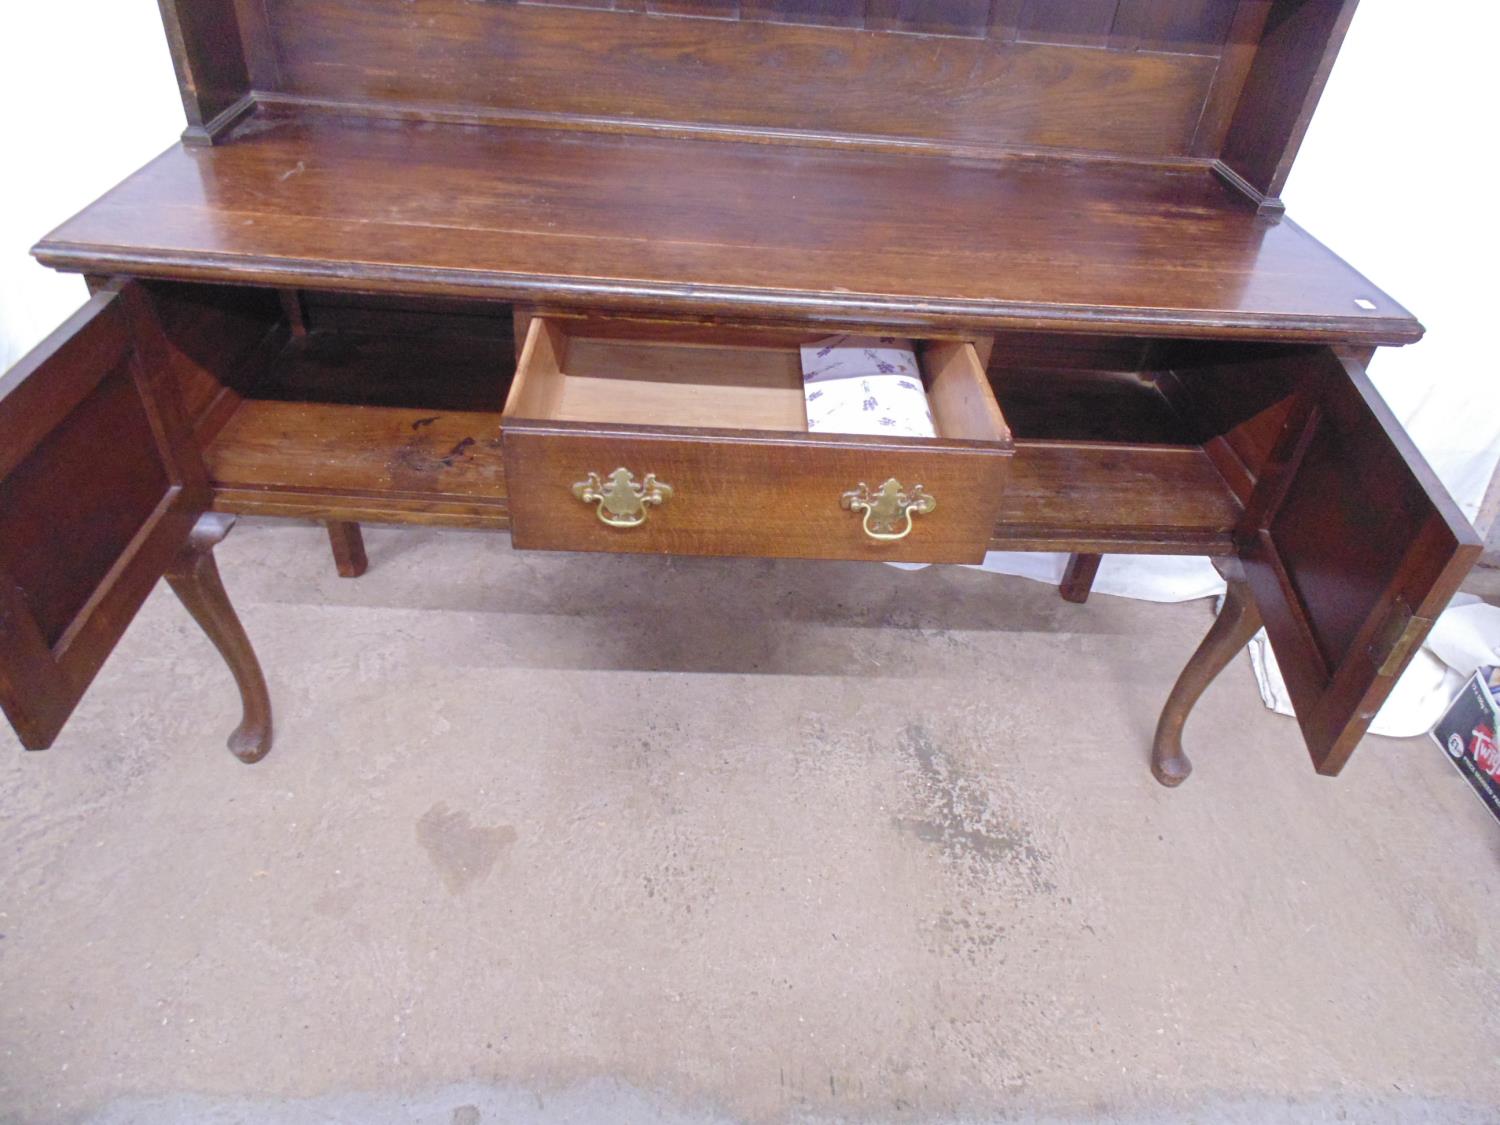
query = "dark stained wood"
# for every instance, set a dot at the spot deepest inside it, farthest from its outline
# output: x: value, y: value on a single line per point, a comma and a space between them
x: 1238, y: 55
x: 361, y: 506
x: 1233, y: 402
x: 1170, y: 79
x: 209, y: 57
x: 698, y: 9
x: 433, y: 323
x: 1102, y: 496
x: 439, y: 375
x: 934, y: 17
x: 944, y: 81
x: 98, y: 489
x: 1071, y: 203
x: 348, y: 548
x: 1351, y: 548
x: 822, y: 13
x: 1059, y: 404
x: 1016, y: 353
x: 194, y: 578
x: 219, y: 340
x: 1291, y: 66
x: 387, y: 449
x: 292, y: 309
x: 1167, y: 26
x: 1237, y: 622
x: 745, y: 494
x: 385, y: 411
x: 460, y: 371
x: 1058, y: 498
x: 1078, y: 578
x: 1082, y: 23
x: 55, y: 485
x: 769, y: 489
x: 260, y: 51
x: 1180, y: 26
x: 612, y: 222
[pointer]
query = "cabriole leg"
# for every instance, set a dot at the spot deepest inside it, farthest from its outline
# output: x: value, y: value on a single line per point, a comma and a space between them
x: 1237, y: 622
x: 348, y: 548
x: 194, y: 578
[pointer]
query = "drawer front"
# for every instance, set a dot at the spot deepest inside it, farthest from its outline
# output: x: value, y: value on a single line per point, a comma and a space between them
x: 750, y: 494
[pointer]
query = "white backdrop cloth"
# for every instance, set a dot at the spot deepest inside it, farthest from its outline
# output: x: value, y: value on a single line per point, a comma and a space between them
x: 1152, y: 578
x: 1465, y: 637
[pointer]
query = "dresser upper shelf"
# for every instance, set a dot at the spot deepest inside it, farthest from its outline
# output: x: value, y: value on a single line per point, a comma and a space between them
x: 716, y: 227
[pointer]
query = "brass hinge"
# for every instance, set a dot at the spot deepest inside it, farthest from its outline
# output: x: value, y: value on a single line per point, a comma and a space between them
x: 1400, y: 633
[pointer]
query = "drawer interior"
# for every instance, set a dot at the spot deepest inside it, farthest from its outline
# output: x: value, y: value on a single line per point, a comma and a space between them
x: 716, y: 377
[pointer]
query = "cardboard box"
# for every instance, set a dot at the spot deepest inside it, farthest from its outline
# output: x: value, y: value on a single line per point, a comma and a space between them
x: 1468, y: 733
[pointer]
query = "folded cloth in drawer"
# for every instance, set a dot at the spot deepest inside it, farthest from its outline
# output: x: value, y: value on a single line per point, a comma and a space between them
x: 865, y: 385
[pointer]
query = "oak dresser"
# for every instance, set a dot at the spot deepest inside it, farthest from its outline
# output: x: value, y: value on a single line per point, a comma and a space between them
x: 545, y: 267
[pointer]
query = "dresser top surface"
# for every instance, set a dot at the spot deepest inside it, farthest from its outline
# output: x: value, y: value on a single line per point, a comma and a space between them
x: 653, y: 223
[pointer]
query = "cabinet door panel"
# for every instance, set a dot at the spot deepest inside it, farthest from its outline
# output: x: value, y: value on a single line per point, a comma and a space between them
x: 99, y: 487
x: 1351, y: 547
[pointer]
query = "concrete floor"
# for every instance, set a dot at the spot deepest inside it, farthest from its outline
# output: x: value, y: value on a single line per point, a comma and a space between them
x: 555, y: 838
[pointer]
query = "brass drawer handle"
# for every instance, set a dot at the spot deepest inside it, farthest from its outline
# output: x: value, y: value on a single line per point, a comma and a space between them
x: 889, y: 507
x: 622, y: 502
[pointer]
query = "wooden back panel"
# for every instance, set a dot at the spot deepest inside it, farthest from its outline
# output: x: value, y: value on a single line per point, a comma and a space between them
x: 1126, y: 77
x: 1231, y: 83
x: 210, y: 60
x: 1299, y: 41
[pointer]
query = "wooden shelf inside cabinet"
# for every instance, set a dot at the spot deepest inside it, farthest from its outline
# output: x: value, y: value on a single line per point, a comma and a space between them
x: 391, y: 410
x: 722, y: 227
x: 1104, y: 459
x: 388, y: 413
x: 1106, y: 496
x: 332, y: 461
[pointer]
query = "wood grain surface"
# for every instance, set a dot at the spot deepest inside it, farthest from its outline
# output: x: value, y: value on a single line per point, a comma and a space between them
x: 937, y: 71
x: 718, y: 415
x: 99, y: 487
x: 707, y: 227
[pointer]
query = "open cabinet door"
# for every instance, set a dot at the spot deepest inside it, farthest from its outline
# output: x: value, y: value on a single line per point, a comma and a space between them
x: 99, y: 488
x: 1351, y: 548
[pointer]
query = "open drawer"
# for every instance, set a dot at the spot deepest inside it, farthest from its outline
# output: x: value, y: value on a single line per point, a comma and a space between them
x: 692, y: 440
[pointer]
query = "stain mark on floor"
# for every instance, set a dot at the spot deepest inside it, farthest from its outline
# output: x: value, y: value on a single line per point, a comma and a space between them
x: 462, y: 851
x: 966, y: 819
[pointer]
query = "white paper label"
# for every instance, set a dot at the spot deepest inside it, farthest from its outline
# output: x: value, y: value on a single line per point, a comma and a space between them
x: 865, y: 385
